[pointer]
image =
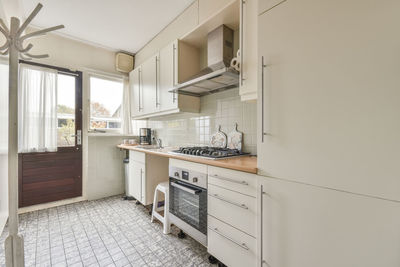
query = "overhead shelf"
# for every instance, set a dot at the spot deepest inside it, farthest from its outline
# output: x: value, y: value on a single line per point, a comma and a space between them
x: 228, y: 15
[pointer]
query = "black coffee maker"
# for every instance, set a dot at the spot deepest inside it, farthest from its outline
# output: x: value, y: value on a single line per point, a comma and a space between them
x: 145, y: 136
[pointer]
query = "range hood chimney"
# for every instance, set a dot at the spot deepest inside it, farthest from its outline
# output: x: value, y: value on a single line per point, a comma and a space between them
x: 219, y: 75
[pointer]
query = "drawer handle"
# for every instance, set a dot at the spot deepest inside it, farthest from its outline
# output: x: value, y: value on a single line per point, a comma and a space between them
x: 229, y: 179
x: 242, y: 245
x: 243, y: 206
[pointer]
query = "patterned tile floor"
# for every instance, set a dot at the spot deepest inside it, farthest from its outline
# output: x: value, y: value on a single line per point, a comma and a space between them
x: 106, y: 232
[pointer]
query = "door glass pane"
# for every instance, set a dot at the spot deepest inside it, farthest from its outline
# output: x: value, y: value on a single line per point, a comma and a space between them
x: 66, y: 110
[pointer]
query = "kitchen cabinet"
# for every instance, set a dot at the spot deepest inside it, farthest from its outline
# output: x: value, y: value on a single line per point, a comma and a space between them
x: 232, y: 213
x: 265, y: 5
x: 136, y: 92
x: 248, y: 50
x: 303, y: 225
x: 328, y: 106
x: 151, y: 82
x: 168, y: 76
x: 142, y: 178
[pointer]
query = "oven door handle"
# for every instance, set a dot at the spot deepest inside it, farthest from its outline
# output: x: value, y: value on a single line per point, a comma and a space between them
x: 186, y: 189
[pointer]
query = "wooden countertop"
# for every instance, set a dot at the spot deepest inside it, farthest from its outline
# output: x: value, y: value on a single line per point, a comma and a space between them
x: 244, y: 164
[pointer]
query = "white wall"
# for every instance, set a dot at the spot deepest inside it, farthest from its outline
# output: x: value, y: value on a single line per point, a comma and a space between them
x: 3, y: 144
x: 97, y: 174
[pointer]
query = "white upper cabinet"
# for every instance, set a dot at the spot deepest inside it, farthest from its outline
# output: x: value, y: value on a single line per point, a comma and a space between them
x: 149, y: 83
x: 136, y: 92
x: 265, y: 5
x: 329, y: 94
x: 248, y: 49
x: 152, y: 81
x: 304, y: 225
x: 168, y: 76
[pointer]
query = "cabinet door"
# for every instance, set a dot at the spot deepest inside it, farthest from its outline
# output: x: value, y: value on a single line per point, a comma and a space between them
x: 330, y: 94
x: 265, y: 5
x: 309, y: 226
x: 168, y: 76
x: 248, y: 50
x: 149, y: 84
x: 137, y: 177
x: 135, y: 90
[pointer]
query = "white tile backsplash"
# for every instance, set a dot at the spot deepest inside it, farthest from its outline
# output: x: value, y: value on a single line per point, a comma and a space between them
x: 223, y: 109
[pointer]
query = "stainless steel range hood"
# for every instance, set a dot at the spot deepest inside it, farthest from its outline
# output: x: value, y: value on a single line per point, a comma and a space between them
x: 218, y: 76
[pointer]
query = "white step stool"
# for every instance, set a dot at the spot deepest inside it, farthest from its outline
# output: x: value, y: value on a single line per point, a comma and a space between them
x: 164, y: 188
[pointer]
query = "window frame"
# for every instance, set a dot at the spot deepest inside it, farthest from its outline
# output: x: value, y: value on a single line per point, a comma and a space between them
x: 109, y: 77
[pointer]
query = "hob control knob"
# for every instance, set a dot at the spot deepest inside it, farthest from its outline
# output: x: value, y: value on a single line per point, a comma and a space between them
x: 195, y: 179
x: 176, y: 174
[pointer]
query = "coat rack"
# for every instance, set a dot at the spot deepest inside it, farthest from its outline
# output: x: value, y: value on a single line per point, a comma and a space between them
x: 14, y: 47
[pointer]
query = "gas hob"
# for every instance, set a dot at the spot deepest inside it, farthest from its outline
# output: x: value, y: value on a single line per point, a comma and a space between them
x: 209, y: 152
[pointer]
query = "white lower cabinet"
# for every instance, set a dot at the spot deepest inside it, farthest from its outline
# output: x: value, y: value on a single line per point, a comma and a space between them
x: 142, y: 178
x: 308, y: 226
x: 232, y: 216
x: 236, y: 209
x: 229, y: 245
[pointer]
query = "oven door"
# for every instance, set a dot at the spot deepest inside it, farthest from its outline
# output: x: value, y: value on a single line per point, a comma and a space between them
x: 188, y: 203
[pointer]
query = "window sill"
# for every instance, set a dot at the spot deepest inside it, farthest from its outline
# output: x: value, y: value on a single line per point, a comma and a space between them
x: 110, y: 134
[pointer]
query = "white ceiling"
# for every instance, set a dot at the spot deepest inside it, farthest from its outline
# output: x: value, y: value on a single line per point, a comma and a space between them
x: 117, y: 24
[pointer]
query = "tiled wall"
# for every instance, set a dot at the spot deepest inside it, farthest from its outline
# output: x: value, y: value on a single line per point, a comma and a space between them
x: 223, y: 109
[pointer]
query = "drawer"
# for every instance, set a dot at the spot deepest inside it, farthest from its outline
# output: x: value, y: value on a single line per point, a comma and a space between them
x: 233, y: 208
x: 229, y: 245
x: 137, y: 156
x: 242, y: 182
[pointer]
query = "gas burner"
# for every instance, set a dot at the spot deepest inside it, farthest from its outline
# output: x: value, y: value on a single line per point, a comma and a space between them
x: 209, y: 152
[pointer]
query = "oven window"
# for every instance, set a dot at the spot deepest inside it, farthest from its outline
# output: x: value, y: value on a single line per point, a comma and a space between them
x: 189, y: 205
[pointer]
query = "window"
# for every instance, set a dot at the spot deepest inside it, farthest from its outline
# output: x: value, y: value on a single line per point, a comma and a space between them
x: 65, y: 110
x: 105, y: 103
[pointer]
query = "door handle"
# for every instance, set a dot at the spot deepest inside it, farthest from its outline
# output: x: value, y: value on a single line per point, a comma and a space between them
x: 184, y: 188
x: 79, y: 137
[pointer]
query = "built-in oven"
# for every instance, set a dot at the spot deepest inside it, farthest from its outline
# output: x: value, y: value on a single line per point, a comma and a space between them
x: 188, y: 202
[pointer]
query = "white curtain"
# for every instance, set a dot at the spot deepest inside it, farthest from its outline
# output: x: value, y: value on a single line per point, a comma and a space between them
x: 126, y: 120
x: 37, y: 113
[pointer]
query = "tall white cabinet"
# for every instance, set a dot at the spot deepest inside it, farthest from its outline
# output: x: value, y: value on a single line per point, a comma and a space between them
x: 303, y: 225
x: 329, y: 94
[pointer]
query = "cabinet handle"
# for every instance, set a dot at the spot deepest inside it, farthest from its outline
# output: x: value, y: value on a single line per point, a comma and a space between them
x: 229, y: 179
x: 141, y: 185
x: 157, y: 96
x: 262, y: 193
x: 242, y: 2
x: 243, y: 206
x: 140, y: 89
x: 173, y: 72
x: 263, y: 133
x: 242, y: 245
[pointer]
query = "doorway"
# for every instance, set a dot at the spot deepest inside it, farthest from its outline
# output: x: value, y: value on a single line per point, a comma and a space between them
x: 50, y: 176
